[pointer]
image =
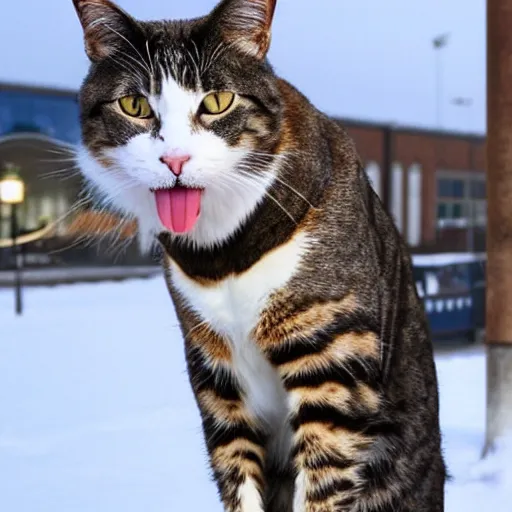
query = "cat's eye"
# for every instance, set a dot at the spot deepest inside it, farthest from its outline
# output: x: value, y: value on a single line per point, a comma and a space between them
x: 218, y: 102
x: 136, y: 106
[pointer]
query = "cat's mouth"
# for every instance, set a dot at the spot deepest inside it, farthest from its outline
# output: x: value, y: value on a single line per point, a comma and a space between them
x: 178, y: 207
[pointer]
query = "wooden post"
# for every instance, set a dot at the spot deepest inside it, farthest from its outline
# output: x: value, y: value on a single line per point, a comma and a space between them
x: 499, y: 231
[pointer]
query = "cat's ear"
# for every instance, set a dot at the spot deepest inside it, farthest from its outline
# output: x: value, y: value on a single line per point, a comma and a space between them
x: 106, y: 27
x: 246, y: 24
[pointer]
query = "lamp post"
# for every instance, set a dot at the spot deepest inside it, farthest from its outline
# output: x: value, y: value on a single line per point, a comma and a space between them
x: 12, y: 191
x: 439, y: 43
x: 466, y: 102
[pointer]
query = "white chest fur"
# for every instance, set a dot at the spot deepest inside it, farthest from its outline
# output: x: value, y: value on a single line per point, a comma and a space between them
x: 233, y: 307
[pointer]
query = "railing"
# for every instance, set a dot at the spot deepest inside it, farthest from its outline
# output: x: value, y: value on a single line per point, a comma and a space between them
x: 452, y: 287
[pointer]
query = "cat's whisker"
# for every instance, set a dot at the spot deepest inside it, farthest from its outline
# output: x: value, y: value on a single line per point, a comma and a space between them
x: 196, y: 68
x: 126, y: 66
x: 249, y: 181
x: 75, y: 243
x: 88, y: 238
x: 125, y: 62
x: 60, y: 151
x: 270, y: 196
x: 146, y: 67
x: 58, y: 172
x: 116, y: 244
x: 62, y: 174
x: 57, y: 160
x: 102, y: 230
x: 207, y: 58
x: 296, y: 192
x: 74, y: 208
x: 198, y: 61
x: 108, y: 200
x: 263, y: 160
x: 68, y: 177
x: 152, y: 85
x: 123, y: 246
x: 215, y: 55
x: 292, y: 189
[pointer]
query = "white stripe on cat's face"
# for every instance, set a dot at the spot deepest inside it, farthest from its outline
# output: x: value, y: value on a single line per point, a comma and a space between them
x: 227, y: 200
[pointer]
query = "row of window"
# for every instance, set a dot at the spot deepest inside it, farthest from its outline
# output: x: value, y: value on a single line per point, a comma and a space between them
x: 461, y: 214
x: 461, y: 201
x: 455, y: 188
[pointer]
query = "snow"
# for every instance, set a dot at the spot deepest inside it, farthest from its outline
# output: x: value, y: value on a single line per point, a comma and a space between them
x: 443, y: 259
x: 97, y: 415
x: 477, y: 485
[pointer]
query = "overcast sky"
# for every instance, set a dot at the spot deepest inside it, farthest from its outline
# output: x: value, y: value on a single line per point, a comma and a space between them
x: 364, y: 59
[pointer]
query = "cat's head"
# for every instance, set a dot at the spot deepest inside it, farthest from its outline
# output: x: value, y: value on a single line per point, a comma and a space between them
x: 181, y: 119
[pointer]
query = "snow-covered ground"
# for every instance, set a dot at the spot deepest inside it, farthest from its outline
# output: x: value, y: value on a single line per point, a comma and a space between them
x: 96, y: 414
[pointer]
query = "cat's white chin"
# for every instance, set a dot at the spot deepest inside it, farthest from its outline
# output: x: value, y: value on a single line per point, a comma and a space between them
x: 224, y: 210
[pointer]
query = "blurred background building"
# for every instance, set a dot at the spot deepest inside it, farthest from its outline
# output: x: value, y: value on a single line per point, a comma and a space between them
x: 39, y: 129
x: 36, y: 128
x: 433, y: 182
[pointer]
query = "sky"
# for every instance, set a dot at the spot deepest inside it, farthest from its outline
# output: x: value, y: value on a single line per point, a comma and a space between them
x: 365, y: 59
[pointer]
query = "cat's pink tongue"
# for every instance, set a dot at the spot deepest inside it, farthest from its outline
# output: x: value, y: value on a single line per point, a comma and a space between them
x: 178, y: 208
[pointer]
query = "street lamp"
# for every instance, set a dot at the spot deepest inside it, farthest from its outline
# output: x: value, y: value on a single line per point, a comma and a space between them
x: 466, y: 102
x: 12, y: 191
x: 439, y: 43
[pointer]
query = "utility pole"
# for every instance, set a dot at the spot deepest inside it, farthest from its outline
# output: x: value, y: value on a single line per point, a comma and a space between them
x: 499, y: 231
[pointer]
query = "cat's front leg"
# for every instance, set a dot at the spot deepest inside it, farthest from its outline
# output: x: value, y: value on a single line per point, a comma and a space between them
x: 235, y: 442
x: 334, y: 398
x: 326, y: 456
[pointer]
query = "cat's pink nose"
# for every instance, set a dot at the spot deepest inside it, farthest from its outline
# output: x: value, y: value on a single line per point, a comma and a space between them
x: 175, y: 162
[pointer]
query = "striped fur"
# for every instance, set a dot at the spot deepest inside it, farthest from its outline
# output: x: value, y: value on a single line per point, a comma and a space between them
x: 307, y: 346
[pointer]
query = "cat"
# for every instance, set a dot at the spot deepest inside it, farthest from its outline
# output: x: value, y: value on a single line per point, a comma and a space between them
x: 307, y: 346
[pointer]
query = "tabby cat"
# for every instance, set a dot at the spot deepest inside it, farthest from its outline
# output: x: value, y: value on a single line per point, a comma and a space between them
x: 307, y: 346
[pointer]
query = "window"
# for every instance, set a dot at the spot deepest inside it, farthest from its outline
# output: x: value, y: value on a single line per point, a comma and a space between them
x: 5, y: 220
x: 414, y: 204
x: 31, y: 213
x: 451, y: 188
x: 478, y: 189
x: 461, y: 200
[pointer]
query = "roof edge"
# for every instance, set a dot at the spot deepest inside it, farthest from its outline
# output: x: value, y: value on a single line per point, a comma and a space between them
x: 38, y: 89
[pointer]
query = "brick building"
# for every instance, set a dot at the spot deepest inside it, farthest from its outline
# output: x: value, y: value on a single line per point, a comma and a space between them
x: 432, y: 182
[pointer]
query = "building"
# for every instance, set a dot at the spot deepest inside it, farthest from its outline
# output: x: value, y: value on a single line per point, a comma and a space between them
x: 432, y: 182
x: 38, y: 130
